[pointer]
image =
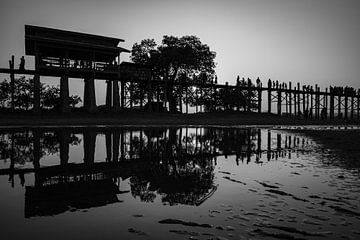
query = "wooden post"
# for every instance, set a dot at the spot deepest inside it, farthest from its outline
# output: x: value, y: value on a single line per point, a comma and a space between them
x: 358, y: 104
x: 326, y: 103
x: 259, y: 97
x: 269, y: 96
x: 339, y: 106
x: 295, y: 102
x: 116, y: 96
x: 64, y: 94
x: 89, y: 95
x: 290, y: 100
x: 318, y: 101
x: 352, y: 106
x: 286, y: 92
x: 108, y: 95
x: 12, y: 82
x: 248, y: 96
x: 316, y: 105
x: 346, y: 103
x: 298, y: 98
x: 304, y: 99
x: 268, y: 145
x: 278, y: 99
x: 312, y: 102
x: 332, y: 110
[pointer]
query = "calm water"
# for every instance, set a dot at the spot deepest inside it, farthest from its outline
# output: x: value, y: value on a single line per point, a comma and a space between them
x: 178, y: 183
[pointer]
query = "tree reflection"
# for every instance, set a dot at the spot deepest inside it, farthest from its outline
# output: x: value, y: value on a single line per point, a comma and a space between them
x: 175, y: 165
x: 18, y: 147
x: 182, y: 166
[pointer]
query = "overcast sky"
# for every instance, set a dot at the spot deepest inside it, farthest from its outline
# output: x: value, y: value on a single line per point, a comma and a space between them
x: 310, y: 41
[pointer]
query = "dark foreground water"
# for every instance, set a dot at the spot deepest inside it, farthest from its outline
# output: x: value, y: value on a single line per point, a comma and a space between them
x: 173, y: 183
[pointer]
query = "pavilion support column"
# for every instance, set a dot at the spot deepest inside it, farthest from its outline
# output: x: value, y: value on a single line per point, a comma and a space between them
x: 89, y: 95
x: 116, y: 96
x: 64, y: 94
x: 36, y: 86
x: 108, y: 95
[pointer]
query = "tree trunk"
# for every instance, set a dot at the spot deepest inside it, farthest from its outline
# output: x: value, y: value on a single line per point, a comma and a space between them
x: 171, y: 98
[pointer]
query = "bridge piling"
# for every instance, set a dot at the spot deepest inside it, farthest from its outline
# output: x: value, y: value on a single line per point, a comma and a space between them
x: 269, y: 95
x: 290, y: 98
x: 278, y: 88
x: 64, y: 94
x: 12, y: 82
x: 346, y: 99
x: 89, y: 95
x: 108, y: 95
x: 116, y: 96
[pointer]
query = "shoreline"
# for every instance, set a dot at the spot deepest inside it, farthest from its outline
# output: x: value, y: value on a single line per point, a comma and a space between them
x: 164, y: 119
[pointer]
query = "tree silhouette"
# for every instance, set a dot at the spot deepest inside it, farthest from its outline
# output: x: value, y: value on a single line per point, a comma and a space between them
x: 23, y: 95
x: 175, y: 57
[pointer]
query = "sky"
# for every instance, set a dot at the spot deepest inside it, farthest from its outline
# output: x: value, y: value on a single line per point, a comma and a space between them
x: 306, y: 41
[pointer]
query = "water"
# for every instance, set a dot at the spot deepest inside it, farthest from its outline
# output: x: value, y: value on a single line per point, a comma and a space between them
x: 178, y: 183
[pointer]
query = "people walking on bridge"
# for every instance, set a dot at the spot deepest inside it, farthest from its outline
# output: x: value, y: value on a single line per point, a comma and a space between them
x: 22, y: 63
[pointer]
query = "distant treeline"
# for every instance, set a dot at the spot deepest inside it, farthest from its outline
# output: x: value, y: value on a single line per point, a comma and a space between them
x: 211, y: 98
x: 23, y: 95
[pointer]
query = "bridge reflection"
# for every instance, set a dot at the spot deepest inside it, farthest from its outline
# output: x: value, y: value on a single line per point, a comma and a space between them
x: 176, y: 164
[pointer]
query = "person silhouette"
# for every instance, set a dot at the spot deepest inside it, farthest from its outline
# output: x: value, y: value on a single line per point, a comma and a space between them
x: 22, y: 63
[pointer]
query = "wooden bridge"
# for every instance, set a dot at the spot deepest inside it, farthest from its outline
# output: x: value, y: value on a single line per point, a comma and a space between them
x: 67, y: 55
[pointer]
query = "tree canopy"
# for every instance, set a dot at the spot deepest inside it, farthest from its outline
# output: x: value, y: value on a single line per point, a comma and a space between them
x: 23, y: 95
x: 176, y: 59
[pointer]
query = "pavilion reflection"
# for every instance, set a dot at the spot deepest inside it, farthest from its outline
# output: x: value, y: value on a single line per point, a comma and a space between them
x: 176, y: 164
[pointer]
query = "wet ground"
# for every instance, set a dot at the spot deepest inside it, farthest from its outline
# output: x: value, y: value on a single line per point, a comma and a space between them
x: 177, y: 183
